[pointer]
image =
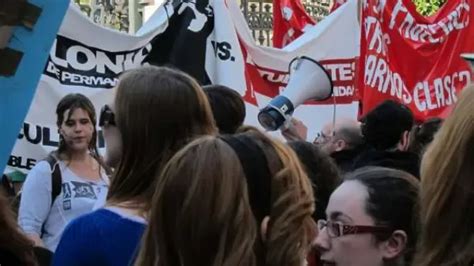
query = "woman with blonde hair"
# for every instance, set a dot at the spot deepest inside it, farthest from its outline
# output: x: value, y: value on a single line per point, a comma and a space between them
x: 157, y: 111
x: 228, y: 201
x: 447, y: 190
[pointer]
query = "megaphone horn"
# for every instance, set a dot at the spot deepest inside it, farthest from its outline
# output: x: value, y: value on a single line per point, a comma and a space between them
x: 308, y: 81
x: 470, y: 59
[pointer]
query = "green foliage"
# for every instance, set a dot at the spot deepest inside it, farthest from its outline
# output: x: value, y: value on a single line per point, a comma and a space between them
x: 428, y: 7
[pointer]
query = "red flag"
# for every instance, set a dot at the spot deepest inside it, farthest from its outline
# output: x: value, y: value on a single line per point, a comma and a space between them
x: 414, y: 59
x: 289, y: 21
x: 337, y: 4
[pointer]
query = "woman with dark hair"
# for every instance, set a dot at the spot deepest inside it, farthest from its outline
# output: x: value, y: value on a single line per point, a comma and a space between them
x: 253, y: 208
x: 372, y: 219
x: 75, y: 169
x: 324, y: 176
x: 157, y: 111
x: 322, y: 172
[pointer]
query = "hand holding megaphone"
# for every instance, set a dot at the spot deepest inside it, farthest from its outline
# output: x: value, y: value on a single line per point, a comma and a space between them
x: 308, y: 80
x: 294, y: 130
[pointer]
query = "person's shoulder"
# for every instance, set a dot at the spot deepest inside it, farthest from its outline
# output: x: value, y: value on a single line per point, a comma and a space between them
x: 41, y: 167
x: 86, y: 223
x: 98, y: 218
x: 39, y: 174
x: 102, y: 222
x: 114, y: 219
x: 94, y: 216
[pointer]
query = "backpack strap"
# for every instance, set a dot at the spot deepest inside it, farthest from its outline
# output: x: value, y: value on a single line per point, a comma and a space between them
x: 56, y: 177
x: 56, y: 182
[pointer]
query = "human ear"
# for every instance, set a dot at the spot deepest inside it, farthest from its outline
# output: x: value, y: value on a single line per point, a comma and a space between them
x: 405, y: 141
x: 395, y: 245
x: 340, y: 145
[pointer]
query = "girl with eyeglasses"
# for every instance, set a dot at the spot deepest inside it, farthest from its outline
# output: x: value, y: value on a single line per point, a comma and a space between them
x: 75, y: 171
x: 371, y: 220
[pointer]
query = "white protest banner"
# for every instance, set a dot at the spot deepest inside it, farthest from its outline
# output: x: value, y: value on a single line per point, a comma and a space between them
x: 334, y: 42
x: 209, y: 40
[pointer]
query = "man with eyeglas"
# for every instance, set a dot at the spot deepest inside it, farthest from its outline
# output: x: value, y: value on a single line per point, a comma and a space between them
x: 342, y: 140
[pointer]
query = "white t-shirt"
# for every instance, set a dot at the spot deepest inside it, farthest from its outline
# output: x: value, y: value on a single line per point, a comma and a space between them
x: 78, y: 196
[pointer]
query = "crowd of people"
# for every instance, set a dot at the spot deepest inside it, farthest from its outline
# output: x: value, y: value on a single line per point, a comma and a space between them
x: 184, y: 182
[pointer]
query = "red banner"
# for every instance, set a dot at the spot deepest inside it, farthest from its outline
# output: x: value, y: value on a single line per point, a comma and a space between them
x: 414, y: 59
x: 289, y: 21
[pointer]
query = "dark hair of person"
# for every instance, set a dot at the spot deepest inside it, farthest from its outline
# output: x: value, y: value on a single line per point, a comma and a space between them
x: 422, y: 135
x: 383, y: 127
x: 70, y: 103
x: 392, y: 201
x: 227, y: 107
x: 290, y: 228
x: 322, y: 172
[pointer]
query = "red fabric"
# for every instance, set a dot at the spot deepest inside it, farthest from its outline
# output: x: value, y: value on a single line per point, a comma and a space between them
x: 414, y: 59
x: 289, y: 20
x: 337, y: 4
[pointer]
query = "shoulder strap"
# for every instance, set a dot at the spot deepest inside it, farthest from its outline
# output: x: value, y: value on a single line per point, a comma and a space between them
x: 56, y: 177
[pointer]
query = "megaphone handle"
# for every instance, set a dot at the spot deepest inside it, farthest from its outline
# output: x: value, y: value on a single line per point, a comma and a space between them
x: 287, y: 123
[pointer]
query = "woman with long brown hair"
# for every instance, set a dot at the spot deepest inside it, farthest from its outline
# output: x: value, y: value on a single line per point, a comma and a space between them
x: 201, y: 200
x: 447, y: 190
x: 231, y: 200
x: 157, y: 111
x: 68, y: 183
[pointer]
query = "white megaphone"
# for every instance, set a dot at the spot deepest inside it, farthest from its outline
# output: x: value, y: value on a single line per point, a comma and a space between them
x: 308, y: 81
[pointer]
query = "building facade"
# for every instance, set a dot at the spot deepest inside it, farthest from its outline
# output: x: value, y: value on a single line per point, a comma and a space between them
x: 129, y: 15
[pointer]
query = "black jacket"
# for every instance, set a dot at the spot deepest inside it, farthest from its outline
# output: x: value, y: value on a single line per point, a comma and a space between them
x: 401, y: 160
x: 345, y: 159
